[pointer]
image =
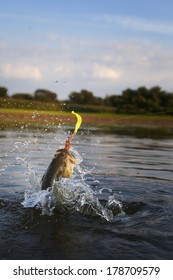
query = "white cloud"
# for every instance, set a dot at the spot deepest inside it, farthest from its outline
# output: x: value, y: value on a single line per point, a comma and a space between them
x: 139, y: 24
x: 22, y: 71
x: 100, y: 66
x: 145, y: 25
x: 105, y: 72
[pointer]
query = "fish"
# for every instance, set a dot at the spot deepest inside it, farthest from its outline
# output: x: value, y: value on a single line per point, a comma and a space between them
x: 61, y: 166
x: 63, y: 161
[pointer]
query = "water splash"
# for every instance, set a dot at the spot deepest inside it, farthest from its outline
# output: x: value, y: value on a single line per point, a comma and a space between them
x: 80, y: 194
x: 70, y: 195
x: 77, y: 196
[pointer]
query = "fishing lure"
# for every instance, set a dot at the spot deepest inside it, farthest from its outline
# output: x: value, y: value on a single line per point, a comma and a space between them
x: 78, y: 124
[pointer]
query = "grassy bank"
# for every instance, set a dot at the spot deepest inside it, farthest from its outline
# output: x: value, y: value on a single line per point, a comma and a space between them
x: 10, y: 117
x: 150, y: 126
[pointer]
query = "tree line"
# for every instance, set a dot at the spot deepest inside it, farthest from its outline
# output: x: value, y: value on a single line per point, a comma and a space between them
x: 43, y: 95
x: 140, y: 100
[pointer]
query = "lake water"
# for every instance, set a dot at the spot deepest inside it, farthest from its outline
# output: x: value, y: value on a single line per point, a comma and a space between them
x: 118, y: 205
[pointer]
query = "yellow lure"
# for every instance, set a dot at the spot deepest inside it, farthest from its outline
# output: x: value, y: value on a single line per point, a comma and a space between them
x: 79, y: 121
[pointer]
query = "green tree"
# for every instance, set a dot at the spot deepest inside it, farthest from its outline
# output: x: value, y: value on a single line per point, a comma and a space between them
x: 128, y: 95
x: 84, y: 97
x: 45, y: 95
x: 112, y: 100
x: 3, y: 92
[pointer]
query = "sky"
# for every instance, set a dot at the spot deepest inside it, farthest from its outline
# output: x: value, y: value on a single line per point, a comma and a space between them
x: 104, y: 46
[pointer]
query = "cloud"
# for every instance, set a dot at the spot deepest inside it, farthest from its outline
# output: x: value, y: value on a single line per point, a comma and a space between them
x: 22, y: 71
x: 138, y: 24
x: 103, y: 67
x: 145, y: 25
x: 105, y: 72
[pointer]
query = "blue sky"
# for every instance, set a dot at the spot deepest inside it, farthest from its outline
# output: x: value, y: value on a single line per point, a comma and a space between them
x: 103, y: 46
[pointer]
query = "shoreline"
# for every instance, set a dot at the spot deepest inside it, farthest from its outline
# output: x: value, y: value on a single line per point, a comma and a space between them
x: 18, y: 117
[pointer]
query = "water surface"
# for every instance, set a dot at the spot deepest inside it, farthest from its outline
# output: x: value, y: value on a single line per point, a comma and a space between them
x: 118, y: 205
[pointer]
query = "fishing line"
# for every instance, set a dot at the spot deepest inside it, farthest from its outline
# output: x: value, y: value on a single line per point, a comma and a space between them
x: 134, y: 116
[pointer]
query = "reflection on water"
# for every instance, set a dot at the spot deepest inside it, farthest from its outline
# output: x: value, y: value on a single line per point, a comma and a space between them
x: 120, y: 197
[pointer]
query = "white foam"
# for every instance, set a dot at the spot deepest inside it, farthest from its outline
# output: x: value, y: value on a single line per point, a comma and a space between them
x: 72, y: 195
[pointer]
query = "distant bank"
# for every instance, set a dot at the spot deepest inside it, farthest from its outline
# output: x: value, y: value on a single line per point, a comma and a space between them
x: 15, y: 117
